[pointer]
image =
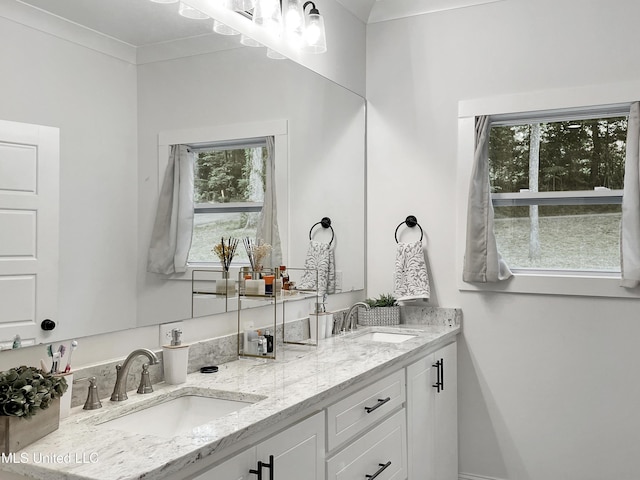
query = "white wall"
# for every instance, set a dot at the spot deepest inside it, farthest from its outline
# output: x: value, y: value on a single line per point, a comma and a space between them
x: 325, y: 136
x: 547, y: 384
x: 91, y: 98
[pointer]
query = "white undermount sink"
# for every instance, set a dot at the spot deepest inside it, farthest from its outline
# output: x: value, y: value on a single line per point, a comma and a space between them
x: 387, y: 337
x: 179, y: 415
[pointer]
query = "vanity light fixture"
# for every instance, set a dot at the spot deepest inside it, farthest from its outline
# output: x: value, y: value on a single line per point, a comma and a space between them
x: 314, y: 35
x: 302, y: 30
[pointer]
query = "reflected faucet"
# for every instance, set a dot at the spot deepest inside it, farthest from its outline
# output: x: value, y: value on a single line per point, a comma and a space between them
x: 352, y: 323
x: 120, y: 388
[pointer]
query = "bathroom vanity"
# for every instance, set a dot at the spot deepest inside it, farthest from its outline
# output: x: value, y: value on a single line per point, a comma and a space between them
x: 379, y: 402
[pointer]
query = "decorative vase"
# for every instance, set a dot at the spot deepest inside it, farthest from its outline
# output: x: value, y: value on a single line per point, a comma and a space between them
x: 17, y: 432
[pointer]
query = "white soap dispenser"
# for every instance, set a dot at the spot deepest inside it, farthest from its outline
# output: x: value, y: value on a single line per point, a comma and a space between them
x: 175, y: 358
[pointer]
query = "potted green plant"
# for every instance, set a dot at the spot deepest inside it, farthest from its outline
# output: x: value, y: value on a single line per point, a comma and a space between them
x: 383, y: 310
x: 29, y: 406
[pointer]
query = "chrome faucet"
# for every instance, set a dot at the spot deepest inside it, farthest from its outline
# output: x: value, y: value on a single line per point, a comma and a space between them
x: 120, y: 388
x: 354, y: 324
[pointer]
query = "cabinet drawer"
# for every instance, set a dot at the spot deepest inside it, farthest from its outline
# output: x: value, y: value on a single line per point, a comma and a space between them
x: 383, y: 450
x: 350, y: 416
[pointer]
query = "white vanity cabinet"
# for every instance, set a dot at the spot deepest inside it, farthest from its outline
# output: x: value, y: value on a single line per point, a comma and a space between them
x: 365, y: 438
x: 432, y: 412
x: 295, y: 453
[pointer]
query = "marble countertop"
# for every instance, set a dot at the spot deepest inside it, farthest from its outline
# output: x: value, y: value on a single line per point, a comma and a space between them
x: 298, y: 379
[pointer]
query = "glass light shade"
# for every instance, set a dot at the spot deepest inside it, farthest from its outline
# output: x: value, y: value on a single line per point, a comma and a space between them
x: 243, y: 5
x: 314, y: 35
x: 292, y: 15
x: 275, y: 55
x: 295, y: 38
x: 267, y: 14
x: 190, y: 12
x: 223, y: 29
x: 248, y: 41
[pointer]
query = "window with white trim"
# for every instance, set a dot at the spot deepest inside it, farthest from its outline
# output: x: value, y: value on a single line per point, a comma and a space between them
x: 229, y: 183
x: 556, y: 181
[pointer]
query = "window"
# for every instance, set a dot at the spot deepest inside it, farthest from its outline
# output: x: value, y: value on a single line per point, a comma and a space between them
x: 556, y: 184
x: 229, y: 192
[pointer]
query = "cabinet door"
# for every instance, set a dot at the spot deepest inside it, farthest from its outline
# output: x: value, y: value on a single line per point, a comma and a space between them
x: 446, y: 416
x: 298, y: 452
x: 432, y: 416
x: 236, y: 468
x: 421, y: 376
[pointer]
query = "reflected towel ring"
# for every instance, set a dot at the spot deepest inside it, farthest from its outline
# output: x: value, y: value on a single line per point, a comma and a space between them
x: 326, y: 223
x: 410, y: 222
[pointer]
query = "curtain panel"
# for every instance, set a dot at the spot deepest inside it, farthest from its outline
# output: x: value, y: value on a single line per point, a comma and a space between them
x: 268, y: 222
x: 173, y: 227
x: 482, y: 261
x: 630, y: 225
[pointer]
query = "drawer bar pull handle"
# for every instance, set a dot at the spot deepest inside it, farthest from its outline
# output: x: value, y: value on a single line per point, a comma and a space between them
x: 383, y: 467
x: 438, y: 385
x: 381, y: 401
x: 261, y: 464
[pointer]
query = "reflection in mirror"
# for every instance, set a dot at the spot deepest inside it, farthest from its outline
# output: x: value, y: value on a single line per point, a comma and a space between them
x: 319, y: 169
x: 110, y: 102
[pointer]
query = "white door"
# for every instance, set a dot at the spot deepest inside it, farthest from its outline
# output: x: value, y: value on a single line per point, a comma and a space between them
x: 29, y: 198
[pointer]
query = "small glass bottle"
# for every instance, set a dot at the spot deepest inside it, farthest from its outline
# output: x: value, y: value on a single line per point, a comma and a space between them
x: 285, y: 277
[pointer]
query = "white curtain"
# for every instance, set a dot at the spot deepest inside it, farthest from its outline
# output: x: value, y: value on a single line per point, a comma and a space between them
x: 268, y: 222
x: 482, y: 261
x: 630, y: 232
x: 173, y: 228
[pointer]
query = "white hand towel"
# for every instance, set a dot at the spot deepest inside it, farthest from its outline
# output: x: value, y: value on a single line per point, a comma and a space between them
x: 411, y: 280
x: 319, y: 256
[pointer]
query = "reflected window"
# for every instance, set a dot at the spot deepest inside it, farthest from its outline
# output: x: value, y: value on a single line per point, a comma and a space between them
x: 230, y: 182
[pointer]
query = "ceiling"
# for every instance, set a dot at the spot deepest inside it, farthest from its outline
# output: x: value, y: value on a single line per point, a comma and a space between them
x: 141, y: 22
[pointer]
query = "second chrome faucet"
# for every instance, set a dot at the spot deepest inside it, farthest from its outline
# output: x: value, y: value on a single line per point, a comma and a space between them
x: 120, y: 388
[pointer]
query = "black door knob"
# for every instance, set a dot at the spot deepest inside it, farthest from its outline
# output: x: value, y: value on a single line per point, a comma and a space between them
x: 47, y: 324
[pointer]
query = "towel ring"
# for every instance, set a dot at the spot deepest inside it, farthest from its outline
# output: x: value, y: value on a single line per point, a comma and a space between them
x: 326, y: 223
x: 410, y: 222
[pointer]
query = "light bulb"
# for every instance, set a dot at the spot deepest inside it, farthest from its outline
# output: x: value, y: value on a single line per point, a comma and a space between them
x: 293, y: 15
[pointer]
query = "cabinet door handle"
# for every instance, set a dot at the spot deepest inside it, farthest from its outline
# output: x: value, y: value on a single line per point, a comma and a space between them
x: 381, y: 401
x: 269, y: 466
x: 442, y: 374
x: 258, y: 472
x: 383, y: 467
x: 438, y: 383
x: 261, y: 464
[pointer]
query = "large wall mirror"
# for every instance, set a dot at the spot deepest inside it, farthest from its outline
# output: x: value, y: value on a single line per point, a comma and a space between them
x: 111, y: 113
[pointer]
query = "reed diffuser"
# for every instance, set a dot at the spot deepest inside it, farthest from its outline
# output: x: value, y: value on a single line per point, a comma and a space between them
x: 225, y: 250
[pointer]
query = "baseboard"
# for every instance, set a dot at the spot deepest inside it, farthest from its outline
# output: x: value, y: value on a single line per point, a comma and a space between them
x: 470, y: 476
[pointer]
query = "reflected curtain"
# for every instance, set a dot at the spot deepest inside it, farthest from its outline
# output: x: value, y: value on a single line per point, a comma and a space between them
x: 173, y: 227
x: 482, y: 261
x: 268, y: 222
x: 630, y: 225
